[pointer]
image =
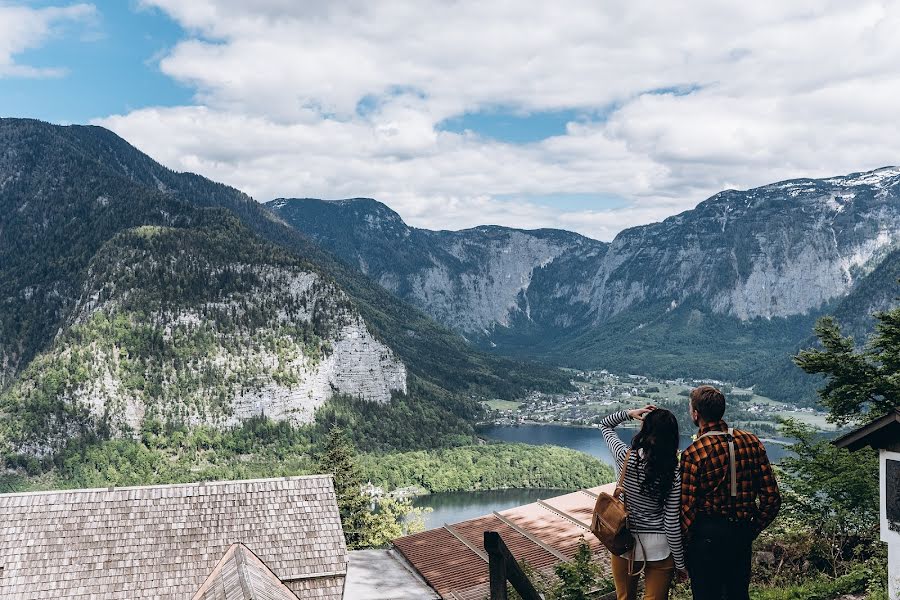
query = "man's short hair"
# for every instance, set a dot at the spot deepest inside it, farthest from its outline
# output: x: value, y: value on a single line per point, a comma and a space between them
x: 708, y: 402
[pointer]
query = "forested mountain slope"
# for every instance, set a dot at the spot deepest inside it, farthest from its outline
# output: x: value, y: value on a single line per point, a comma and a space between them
x: 130, y: 293
x: 200, y: 325
x: 718, y: 291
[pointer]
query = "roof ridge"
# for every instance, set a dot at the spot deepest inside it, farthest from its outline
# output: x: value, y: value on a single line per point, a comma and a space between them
x: 208, y: 582
x: 246, y: 564
x: 247, y: 584
x: 168, y: 485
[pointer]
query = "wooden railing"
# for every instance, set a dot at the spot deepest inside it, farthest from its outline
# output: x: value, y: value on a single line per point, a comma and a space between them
x: 503, y: 567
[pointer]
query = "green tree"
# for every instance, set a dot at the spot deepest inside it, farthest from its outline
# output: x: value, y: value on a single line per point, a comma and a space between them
x: 833, y: 494
x: 339, y: 459
x: 579, y: 578
x: 393, y: 518
x: 367, y: 523
x: 830, y: 493
x: 860, y: 383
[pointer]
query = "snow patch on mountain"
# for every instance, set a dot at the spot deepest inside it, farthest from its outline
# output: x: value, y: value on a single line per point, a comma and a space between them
x: 878, y: 178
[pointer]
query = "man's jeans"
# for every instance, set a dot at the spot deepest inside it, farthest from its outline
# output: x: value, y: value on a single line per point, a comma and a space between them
x: 718, y: 558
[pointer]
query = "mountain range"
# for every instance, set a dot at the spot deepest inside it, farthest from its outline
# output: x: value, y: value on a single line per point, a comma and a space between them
x: 131, y: 295
x: 726, y: 290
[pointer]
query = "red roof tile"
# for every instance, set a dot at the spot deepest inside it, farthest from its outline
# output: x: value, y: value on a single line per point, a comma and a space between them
x: 538, y: 532
x: 442, y: 560
x: 521, y: 547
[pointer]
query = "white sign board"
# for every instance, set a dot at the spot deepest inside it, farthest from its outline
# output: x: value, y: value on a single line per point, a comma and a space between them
x: 890, y: 516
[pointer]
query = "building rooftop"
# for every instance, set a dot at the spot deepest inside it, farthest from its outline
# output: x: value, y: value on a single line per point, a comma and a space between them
x: 882, y: 433
x: 240, y: 575
x: 164, y: 541
x: 383, y: 575
x: 452, y: 558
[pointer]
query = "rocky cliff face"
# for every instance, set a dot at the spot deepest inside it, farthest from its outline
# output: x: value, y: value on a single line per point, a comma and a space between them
x: 199, y: 326
x: 355, y: 364
x: 485, y: 275
x: 756, y: 265
x: 776, y: 251
x: 472, y: 280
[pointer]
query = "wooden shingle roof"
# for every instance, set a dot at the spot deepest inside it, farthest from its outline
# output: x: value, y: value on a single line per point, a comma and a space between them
x: 163, y: 541
x: 240, y: 575
x: 453, y: 561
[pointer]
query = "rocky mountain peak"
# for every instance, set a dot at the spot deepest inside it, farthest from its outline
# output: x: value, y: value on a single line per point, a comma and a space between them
x: 779, y: 253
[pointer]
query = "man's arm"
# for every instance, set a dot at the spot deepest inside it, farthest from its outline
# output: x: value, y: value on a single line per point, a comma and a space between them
x: 766, y: 491
x: 689, y: 488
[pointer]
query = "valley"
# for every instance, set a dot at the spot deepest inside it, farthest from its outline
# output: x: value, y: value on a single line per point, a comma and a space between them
x: 158, y: 327
x: 728, y: 290
x: 599, y: 393
x: 339, y: 300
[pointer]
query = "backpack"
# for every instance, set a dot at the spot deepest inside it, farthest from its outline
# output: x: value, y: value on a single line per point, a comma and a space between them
x: 610, y: 520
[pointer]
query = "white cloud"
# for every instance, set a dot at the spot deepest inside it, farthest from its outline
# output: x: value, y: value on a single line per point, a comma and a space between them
x: 23, y: 28
x: 769, y: 90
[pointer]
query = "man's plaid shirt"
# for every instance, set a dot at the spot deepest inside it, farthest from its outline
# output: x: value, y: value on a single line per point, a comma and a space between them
x: 706, y: 479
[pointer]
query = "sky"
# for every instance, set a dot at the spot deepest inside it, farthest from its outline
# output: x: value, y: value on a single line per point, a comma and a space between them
x: 591, y: 116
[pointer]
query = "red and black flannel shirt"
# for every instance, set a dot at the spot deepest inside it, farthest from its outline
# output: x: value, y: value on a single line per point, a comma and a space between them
x: 706, y: 479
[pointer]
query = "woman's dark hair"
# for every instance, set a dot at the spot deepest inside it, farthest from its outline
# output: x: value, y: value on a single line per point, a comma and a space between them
x: 658, y: 438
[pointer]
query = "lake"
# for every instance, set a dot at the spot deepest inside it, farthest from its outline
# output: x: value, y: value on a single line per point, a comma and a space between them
x: 453, y: 507
x: 588, y: 440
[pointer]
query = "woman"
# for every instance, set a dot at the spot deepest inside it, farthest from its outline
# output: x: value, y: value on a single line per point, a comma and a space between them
x: 653, y: 499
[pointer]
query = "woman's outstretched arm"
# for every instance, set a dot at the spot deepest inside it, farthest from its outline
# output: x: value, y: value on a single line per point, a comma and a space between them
x: 617, y: 447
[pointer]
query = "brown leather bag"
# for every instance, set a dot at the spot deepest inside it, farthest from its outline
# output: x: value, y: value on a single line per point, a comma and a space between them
x: 610, y: 520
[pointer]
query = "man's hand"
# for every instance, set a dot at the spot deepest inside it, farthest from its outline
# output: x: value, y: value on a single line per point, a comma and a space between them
x: 638, y: 413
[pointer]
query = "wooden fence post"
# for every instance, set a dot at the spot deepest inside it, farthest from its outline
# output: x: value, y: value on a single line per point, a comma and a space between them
x: 502, y: 566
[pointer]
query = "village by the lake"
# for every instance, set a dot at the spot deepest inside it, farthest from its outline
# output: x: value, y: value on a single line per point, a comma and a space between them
x: 600, y: 392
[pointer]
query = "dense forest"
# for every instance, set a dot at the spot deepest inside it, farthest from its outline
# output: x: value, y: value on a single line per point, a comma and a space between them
x: 263, y: 448
x: 487, y: 467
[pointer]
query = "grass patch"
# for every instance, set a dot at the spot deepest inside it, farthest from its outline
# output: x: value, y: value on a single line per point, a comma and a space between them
x: 502, y: 404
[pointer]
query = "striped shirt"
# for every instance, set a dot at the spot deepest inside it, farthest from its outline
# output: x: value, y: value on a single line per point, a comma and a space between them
x: 646, y: 514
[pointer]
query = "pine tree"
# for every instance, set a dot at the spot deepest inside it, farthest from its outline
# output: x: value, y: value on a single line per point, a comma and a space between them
x: 831, y: 492
x: 339, y: 459
x: 861, y: 383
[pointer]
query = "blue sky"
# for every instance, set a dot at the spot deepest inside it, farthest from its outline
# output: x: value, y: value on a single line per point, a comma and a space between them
x: 576, y: 114
x: 109, y: 62
x: 511, y: 126
x: 111, y: 67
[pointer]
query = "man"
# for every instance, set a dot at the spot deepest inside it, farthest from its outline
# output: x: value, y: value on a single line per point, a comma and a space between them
x: 728, y: 496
